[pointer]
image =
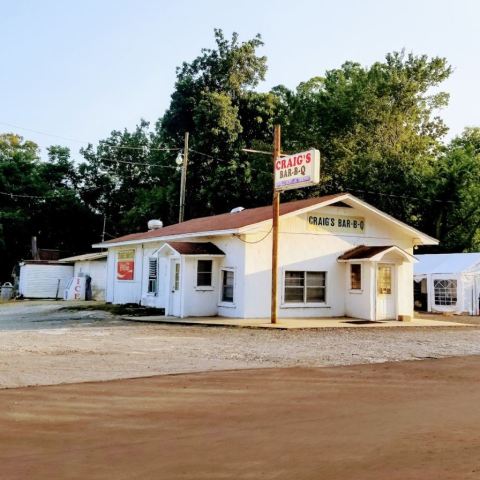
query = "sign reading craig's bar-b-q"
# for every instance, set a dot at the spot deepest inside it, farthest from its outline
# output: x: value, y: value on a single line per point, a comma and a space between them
x: 298, y: 170
x: 324, y: 222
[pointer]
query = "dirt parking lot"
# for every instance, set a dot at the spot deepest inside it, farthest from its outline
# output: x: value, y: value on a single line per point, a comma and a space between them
x: 42, y: 345
x: 396, y: 421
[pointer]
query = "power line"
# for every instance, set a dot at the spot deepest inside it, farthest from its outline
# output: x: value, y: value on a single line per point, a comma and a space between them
x: 69, y: 139
x: 404, y: 197
x: 161, y: 165
x: 226, y: 161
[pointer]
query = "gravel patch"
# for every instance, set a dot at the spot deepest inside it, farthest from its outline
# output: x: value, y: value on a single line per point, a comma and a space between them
x: 45, y: 346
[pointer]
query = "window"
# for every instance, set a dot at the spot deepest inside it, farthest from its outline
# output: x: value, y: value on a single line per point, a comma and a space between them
x: 227, y: 285
x: 152, y: 275
x: 176, y: 283
x: 384, y: 280
x: 204, y: 273
x: 355, y: 276
x: 445, y: 292
x: 305, y: 287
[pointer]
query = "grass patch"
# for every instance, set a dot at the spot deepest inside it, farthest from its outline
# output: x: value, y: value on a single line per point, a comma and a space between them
x: 130, y: 309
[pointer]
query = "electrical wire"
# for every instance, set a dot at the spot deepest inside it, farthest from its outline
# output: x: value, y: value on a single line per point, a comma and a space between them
x: 143, y: 148
x: 222, y: 160
x: 69, y: 139
x: 236, y: 235
x: 405, y: 197
x: 160, y: 165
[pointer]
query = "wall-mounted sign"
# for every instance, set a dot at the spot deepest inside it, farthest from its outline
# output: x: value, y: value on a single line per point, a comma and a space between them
x: 298, y: 170
x: 319, y: 222
x: 125, y: 264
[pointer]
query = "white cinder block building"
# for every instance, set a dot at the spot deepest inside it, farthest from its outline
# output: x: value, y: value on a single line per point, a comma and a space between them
x: 337, y: 256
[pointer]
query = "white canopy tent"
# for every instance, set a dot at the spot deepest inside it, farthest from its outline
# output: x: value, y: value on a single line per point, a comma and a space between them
x: 448, y: 282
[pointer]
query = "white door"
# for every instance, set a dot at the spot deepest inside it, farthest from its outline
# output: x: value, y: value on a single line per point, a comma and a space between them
x: 386, y: 293
x: 174, y: 303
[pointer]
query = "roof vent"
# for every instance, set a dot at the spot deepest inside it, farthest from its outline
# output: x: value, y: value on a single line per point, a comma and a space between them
x: 155, y: 224
x: 237, y: 210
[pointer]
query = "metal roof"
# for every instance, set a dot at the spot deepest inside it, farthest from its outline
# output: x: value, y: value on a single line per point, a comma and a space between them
x: 85, y: 257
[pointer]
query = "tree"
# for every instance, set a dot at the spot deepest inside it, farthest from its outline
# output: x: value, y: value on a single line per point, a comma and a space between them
x: 376, y: 128
x: 456, y: 216
x: 129, y: 179
x: 39, y: 199
x: 214, y: 101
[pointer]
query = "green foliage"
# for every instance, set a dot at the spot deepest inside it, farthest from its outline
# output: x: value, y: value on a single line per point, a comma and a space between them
x: 377, y: 128
x: 214, y: 101
x: 44, y: 202
x: 127, y: 181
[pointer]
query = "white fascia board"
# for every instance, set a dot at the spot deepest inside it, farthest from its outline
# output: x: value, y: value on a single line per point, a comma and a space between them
x: 167, y: 238
x: 410, y: 258
x: 378, y: 257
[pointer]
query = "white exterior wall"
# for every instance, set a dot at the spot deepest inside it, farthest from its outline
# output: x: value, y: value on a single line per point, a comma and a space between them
x: 194, y: 301
x: 357, y: 302
x: 97, y: 270
x: 41, y: 280
x: 301, y: 249
x: 124, y: 291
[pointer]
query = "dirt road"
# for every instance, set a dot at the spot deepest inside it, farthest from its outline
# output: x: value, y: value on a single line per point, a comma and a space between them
x: 400, y: 421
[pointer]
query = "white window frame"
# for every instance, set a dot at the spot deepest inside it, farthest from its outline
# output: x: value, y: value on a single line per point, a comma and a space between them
x: 221, y: 302
x: 204, y: 287
x: 451, y: 280
x: 155, y: 292
x: 304, y: 304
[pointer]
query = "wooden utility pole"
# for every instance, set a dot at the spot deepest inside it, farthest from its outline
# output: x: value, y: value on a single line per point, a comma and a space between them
x: 275, y: 218
x: 183, y: 180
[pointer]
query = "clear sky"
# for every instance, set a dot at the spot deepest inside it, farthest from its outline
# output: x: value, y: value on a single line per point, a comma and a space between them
x: 80, y: 69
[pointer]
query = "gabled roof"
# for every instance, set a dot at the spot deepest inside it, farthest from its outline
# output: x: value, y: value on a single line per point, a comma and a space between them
x: 362, y: 252
x: 225, y: 221
x: 446, y: 263
x: 251, y: 217
x: 373, y: 253
x: 195, y: 248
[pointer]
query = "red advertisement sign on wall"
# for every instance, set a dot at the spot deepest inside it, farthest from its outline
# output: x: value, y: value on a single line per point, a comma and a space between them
x: 125, y: 265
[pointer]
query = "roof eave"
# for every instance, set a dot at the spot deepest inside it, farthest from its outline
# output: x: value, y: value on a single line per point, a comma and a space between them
x: 166, y: 238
